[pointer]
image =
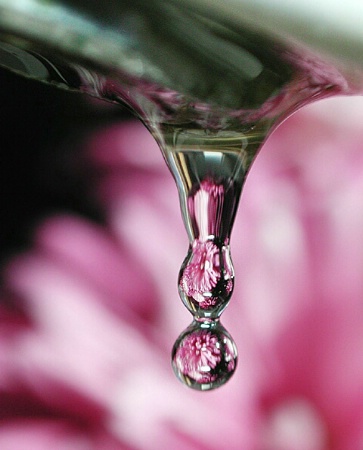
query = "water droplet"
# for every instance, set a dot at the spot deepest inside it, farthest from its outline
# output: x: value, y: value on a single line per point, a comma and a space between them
x: 204, y: 356
x: 209, y: 167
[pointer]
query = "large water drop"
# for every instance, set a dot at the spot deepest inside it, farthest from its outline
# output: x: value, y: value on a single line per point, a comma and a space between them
x: 204, y: 356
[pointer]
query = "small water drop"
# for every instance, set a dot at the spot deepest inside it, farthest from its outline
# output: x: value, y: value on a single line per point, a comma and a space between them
x: 204, y: 356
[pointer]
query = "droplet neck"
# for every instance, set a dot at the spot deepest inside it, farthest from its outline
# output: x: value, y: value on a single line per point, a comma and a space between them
x: 209, y: 167
x: 211, y: 208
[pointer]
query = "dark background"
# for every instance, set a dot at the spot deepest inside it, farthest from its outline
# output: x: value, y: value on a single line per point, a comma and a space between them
x: 42, y: 168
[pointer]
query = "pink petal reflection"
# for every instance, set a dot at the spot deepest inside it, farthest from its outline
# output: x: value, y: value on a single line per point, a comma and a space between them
x: 199, y: 354
x: 203, y: 271
x: 206, y: 208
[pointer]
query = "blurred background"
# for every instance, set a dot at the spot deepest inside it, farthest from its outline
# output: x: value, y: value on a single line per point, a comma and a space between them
x: 91, y: 244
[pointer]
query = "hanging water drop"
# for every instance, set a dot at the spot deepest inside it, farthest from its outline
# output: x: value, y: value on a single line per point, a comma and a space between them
x: 209, y: 166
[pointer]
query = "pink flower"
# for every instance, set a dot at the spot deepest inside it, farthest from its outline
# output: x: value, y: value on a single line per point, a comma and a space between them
x: 89, y: 312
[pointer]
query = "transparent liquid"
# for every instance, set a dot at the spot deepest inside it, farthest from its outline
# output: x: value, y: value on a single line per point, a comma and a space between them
x: 209, y: 135
x: 209, y: 168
